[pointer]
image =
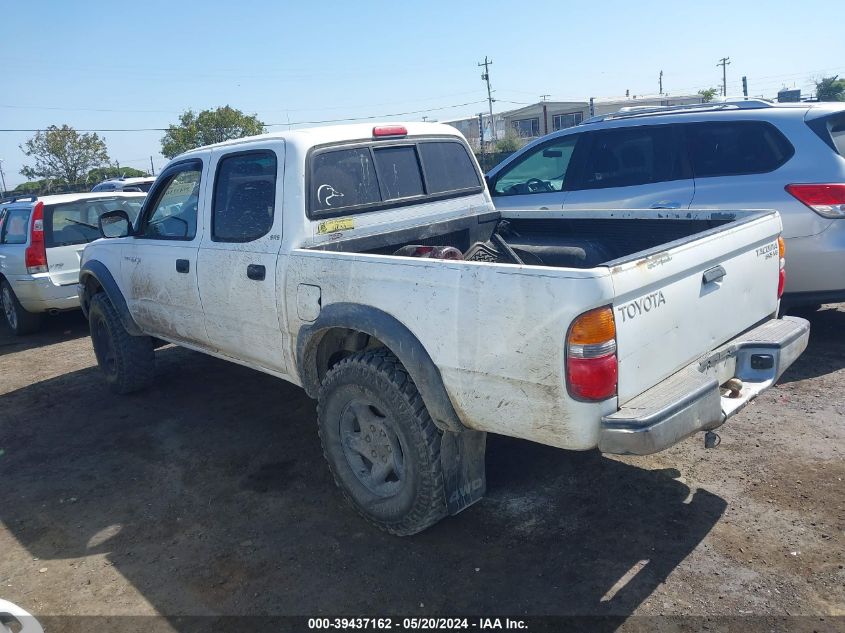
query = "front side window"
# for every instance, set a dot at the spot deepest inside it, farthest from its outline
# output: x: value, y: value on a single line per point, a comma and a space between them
x: 541, y: 170
x: 244, y: 197
x: 14, y: 226
x: 626, y: 157
x: 399, y: 172
x: 732, y: 148
x: 174, y: 206
x: 78, y: 222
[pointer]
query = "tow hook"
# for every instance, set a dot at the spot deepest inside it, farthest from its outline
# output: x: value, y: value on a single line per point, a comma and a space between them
x: 711, y: 439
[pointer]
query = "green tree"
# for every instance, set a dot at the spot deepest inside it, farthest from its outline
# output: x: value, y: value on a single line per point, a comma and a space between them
x: 207, y: 127
x: 830, y: 89
x: 63, y: 154
x: 708, y: 94
x: 104, y: 173
x: 510, y: 143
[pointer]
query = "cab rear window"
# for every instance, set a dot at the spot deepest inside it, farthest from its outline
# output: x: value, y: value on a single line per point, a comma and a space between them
x: 376, y: 176
x: 78, y: 222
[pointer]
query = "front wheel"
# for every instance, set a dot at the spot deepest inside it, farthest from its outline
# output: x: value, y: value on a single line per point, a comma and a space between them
x: 127, y: 362
x: 380, y: 442
x: 20, y: 320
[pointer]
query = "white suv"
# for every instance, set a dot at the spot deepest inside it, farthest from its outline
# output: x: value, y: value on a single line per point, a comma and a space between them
x: 731, y: 155
x: 41, y: 240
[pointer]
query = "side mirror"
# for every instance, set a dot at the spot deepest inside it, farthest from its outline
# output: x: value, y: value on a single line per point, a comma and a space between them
x: 115, y: 224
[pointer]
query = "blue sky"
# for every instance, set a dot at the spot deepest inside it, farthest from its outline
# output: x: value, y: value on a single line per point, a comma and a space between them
x: 97, y: 65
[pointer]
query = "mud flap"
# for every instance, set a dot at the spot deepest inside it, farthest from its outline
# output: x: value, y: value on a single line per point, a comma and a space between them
x: 464, y: 474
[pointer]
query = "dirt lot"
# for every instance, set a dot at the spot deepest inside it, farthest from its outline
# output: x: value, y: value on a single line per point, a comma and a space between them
x: 209, y: 495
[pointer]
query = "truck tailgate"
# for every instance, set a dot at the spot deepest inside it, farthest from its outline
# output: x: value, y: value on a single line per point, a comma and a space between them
x: 676, y: 303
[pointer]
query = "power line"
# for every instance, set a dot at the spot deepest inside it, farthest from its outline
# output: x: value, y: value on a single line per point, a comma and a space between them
x: 343, y: 120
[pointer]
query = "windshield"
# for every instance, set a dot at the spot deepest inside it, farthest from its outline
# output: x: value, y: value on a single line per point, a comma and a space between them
x: 77, y: 222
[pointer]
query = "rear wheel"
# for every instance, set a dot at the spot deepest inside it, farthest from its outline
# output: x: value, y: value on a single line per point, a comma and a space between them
x: 20, y: 321
x: 127, y: 362
x: 381, y: 445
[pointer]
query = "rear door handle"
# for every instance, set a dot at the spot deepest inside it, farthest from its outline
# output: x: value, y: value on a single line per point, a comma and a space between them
x: 256, y: 272
x: 666, y: 204
x: 182, y: 265
x: 717, y: 273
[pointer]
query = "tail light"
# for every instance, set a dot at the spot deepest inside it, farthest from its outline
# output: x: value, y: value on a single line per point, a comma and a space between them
x: 591, y: 364
x: 36, y: 252
x: 782, y: 271
x: 390, y: 130
x: 826, y: 200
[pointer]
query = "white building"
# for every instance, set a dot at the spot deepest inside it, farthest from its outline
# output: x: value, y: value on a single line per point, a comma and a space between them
x: 544, y: 117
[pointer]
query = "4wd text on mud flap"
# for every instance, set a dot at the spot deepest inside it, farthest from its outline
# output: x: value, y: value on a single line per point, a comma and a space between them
x: 643, y: 304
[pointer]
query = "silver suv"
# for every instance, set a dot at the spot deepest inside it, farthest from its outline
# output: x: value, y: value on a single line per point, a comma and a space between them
x: 41, y: 241
x: 746, y: 154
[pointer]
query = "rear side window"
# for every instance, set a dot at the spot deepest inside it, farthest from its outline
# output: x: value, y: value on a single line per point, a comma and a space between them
x: 14, y: 226
x: 78, y: 222
x: 734, y: 148
x: 626, y: 157
x: 244, y: 197
x: 448, y: 167
x: 399, y: 172
x: 831, y: 129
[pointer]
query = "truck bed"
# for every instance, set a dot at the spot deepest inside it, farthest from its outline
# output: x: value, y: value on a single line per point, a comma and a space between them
x: 551, y: 238
x: 679, y: 285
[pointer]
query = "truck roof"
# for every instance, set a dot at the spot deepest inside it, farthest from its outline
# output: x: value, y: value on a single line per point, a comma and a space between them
x: 309, y: 137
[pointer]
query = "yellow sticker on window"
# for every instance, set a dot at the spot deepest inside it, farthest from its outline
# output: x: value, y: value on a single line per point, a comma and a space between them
x: 333, y: 226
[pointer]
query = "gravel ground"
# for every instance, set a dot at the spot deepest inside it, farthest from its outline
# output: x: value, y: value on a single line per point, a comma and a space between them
x: 208, y: 495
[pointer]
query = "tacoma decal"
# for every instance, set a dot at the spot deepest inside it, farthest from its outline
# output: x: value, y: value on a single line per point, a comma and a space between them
x: 643, y: 304
x: 768, y: 251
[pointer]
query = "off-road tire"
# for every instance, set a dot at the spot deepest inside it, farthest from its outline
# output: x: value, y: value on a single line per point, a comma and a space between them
x: 378, y: 377
x: 19, y: 320
x: 127, y: 362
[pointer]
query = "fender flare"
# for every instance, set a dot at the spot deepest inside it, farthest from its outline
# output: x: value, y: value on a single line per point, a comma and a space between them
x: 98, y: 271
x: 397, y: 337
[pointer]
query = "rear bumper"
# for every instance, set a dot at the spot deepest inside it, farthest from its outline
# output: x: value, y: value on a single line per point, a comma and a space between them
x: 692, y: 399
x: 37, y: 293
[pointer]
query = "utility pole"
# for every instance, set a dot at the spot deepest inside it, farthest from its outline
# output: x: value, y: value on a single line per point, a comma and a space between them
x: 745, y: 86
x: 152, y: 167
x: 660, y: 82
x: 724, y: 63
x: 424, y: 118
x: 544, y: 97
x: 2, y: 177
x: 481, y: 140
x: 486, y: 77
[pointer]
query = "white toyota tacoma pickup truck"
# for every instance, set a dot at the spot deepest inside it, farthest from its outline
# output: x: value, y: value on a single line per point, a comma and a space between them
x: 369, y: 265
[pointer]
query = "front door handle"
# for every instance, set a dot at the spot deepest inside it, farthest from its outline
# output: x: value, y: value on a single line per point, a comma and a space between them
x: 256, y: 272
x: 182, y: 265
x: 717, y: 273
x: 666, y: 204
